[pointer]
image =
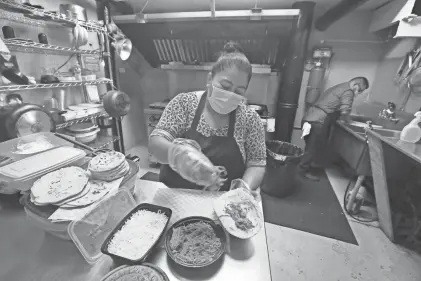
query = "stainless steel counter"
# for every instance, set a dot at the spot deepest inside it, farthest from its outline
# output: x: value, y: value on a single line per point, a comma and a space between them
x: 52, y: 259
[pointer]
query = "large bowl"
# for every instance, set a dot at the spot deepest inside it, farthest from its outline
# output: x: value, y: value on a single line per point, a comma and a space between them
x: 189, y: 220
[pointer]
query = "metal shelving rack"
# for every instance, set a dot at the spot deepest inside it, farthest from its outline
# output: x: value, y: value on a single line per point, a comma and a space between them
x: 34, y: 47
x: 54, y: 85
x: 21, y: 13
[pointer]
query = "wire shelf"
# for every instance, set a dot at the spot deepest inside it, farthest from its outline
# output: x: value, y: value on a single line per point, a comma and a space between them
x: 80, y: 120
x: 34, y: 47
x: 39, y: 14
x: 54, y: 85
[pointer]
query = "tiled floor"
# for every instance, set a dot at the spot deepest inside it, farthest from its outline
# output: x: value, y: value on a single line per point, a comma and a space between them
x: 300, y: 256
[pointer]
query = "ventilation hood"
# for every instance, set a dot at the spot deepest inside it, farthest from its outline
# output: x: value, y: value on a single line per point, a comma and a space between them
x: 398, y: 18
x: 195, y: 38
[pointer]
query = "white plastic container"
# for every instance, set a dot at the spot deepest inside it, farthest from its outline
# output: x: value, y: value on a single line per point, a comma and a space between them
x: 412, y: 132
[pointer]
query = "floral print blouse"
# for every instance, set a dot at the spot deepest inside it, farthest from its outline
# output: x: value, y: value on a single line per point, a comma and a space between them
x: 248, y: 133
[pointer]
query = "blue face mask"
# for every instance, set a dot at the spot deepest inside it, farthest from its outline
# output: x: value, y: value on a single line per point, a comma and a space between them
x: 224, y: 102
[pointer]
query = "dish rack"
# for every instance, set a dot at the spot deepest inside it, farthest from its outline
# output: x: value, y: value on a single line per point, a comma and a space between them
x: 34, y: 16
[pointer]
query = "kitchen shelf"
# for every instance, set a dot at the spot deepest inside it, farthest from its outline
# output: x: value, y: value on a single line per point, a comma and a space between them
x: 80, y: 120
x: 54, y: 85
x: 39, y: 14
x: 103, y: 141
x: 34, y: 47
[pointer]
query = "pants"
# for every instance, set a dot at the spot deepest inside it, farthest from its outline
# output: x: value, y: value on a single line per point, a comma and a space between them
x: 314, y: 145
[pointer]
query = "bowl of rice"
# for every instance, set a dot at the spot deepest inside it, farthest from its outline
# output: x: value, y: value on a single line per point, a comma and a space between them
x: 137, y: 234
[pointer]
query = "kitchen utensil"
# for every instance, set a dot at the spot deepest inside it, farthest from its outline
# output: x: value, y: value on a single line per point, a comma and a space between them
x: 116, y: 103
x: 105, y: 125
x: 189, y: 220
x: 60, y: 95
x: 74, y: 11
x: 8, y: 32
x: 144, y: 206
x: 123, y: 48
x: 18, y: 120
x: 42, y: 38
x: 50, y: 103
x: 14, y: 98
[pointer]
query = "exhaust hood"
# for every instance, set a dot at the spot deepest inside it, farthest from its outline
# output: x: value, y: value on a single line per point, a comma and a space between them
x: 195, y: 38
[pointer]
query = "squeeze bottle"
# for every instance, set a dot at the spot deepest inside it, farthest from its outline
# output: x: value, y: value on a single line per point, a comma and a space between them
x: 412, y: 132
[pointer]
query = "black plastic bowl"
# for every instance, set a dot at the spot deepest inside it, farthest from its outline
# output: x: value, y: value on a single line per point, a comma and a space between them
x: 186, y: 221
x: 144, y: 206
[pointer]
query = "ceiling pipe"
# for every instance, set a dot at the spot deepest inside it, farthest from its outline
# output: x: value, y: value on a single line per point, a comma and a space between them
x: 337, y: 12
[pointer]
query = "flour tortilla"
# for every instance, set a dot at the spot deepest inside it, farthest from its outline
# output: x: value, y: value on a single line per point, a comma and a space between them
x: 97, y: 190
x: 119, y: 172
x: 59, y: 185
x: 107, y: 161
x: 77, y: 196
x: 237, y: 196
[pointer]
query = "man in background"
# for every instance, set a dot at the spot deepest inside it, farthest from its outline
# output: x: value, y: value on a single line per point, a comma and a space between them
x: 335, y: 102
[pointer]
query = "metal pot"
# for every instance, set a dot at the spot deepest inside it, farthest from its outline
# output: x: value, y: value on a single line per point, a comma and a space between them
x: 105, y: 124
x: 74, y: 11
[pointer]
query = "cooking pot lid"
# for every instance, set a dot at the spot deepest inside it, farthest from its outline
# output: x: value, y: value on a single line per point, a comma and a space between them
x: 82, y: 127
x: 31, y: 122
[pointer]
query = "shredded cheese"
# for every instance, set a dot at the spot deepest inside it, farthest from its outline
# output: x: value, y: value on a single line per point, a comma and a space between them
x: 138, y: 234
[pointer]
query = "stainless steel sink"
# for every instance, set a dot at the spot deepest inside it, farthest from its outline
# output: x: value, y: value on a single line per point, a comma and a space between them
x: 388, y: 133
x: 383, y: 132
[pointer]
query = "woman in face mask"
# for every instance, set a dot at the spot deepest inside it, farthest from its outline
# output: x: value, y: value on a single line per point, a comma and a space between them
x: 217, y: 119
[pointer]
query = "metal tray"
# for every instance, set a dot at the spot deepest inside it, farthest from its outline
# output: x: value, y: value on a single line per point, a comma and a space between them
x: 144, y: 206
x: 219, y: 231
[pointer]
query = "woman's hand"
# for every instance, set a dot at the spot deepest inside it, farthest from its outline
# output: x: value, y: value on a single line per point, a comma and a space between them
x: 239, y: 183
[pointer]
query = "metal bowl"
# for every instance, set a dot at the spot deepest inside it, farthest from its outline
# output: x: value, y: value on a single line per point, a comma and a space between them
x: 218, y: 231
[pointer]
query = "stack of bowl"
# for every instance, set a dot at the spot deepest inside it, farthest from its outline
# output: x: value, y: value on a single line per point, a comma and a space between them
x: 83, y: 132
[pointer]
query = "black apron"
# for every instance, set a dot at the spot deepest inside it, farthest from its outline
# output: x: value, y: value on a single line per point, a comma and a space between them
x: 221, y: 151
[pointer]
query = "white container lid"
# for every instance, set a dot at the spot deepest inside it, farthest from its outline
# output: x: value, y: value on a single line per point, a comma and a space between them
x: 41, y: 163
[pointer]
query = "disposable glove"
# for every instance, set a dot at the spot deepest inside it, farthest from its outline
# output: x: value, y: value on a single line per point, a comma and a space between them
x: 185, y: 158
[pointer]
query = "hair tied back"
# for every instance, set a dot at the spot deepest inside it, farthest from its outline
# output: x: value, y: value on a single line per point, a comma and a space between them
x: 232, y: 47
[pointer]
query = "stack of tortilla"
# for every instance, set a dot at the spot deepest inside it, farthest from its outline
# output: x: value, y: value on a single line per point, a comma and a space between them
x: 108, y: 166
x: 69, y: 188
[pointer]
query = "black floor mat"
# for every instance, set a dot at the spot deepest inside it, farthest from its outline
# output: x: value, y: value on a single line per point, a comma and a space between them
x: 313, y: 208
x: 150, y: 176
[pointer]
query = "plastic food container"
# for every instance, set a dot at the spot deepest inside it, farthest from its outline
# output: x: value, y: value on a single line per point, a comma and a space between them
x: 13, y: 148
x: 144, y: 206
x: 90, y: 232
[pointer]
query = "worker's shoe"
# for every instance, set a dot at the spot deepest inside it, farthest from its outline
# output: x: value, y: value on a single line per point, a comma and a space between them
x: 306, y: 173
x: 311, y: 176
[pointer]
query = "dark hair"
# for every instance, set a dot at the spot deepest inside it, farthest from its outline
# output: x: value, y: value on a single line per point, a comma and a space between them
x: 232, y: 56
x: 363, y: 80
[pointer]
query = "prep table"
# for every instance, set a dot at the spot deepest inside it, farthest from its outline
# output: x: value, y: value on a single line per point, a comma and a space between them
x: 54, y: 259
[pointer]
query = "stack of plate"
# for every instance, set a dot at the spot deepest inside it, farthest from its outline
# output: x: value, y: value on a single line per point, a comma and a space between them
x: 84, y: 132
x: 108, y: 166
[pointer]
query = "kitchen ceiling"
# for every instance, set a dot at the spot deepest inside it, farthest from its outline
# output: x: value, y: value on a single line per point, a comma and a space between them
x: 162, y: 6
